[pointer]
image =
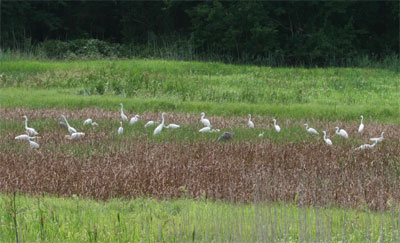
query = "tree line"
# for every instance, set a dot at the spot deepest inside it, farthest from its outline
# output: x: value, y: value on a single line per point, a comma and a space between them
x: 294, y: 31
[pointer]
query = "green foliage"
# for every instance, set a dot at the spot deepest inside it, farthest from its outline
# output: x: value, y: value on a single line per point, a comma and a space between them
x: 258, y: 32
x: 79, y: 49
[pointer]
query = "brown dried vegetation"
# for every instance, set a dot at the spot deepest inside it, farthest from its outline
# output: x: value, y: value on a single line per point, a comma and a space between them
x: 311, y: 173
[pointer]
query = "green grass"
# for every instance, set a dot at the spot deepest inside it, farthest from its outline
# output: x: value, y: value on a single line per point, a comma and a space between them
x: 58, y: 98
x: 209, y: 82
x: 47, y: 218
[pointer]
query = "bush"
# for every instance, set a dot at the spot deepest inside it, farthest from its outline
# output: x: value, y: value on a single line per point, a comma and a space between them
x: 80, y: 49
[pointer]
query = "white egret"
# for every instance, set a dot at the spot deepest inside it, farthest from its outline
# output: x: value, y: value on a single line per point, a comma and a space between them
x: 34, y: 145
x: 123, y: 116
x: 88, y: 122
x: 361, y: 127
x: 75, y: 135
x: 120, y: 129
x: 30, y: 130
x: 250, y: 123
x: 261, y: 134
x: 205, y: 129
x: 366, y: 146
x: 277, y: 128
x: 311, y: 130
x: 173, y: 126
x: 159, y: 127
x: 134, y: 120
x: 377, y: 140
x: 70, y: 129
x: 150, y: 123
x: 327, y: 140
x: 94, y: 124
x: 25, y: 137
x: 341, y: 132
x: 226, y: 136
x: 215, y: 130
x: 205, y: 122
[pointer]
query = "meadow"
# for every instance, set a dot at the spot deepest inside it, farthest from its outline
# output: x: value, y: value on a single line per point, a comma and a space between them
x: 182, y: 185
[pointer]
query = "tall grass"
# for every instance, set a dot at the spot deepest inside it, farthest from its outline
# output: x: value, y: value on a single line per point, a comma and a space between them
x: 46, y: 218
x: 177, y: 48
x: 175, y: 84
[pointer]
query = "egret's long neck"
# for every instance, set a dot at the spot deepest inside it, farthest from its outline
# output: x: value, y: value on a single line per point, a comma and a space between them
x: 65, y: 119
x: 26, y: 122
x: 202, y: 117
x: 324, y: 136
x: 162, y: 117
x: 122, y: 112
x: 274, y: 122
x: 307, y: 127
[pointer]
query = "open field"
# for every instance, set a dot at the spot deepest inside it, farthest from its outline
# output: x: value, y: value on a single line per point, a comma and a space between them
x: 288, y: 172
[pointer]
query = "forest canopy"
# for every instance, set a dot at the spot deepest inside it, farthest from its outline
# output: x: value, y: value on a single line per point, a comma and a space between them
x: 316, y: 32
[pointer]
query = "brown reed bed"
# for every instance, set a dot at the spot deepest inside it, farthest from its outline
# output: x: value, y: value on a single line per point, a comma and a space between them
x: 308, y: 173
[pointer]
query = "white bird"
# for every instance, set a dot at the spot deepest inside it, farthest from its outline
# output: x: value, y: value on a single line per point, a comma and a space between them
x: 123, y: 116
x: 327, y: 140
x: 120, y: 129
x: 341, y: 132
x: 215, y: 130
x: 261, y: 134
x: 70, y: 129
x: 134, y: 120
x: 31, y: 131
x: 173, y: 126
x: 159, y: 127
x: 75, y: 135
x: 250, y: 123
x: 25, y: 137
x: 377, y: 140
x: 205, y: 122
x: 94, y: 124
x: 205, y: 129
x: 88, y: 122
x: 311, y: 130
x: 361, y: 127
x: 150, y: 123
x: 33, y: 144
x: 277, y: 128
x: 366, y: 146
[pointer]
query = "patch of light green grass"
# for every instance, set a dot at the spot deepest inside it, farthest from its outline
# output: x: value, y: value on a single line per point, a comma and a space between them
x: 52, y: 219
x: 37, y: 99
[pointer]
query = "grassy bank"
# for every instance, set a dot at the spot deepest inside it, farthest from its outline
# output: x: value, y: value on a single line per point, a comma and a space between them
x: 47, y: 218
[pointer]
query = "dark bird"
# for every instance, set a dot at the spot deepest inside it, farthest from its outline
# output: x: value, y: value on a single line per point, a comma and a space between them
x: 226, y: 136
x: 60, y: 123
